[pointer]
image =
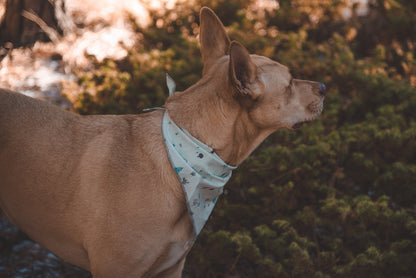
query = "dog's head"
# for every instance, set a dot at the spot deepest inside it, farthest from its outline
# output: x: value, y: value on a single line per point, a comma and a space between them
x: 263, y: 87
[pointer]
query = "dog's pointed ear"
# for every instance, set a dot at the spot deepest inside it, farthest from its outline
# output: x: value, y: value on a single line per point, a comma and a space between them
x: 243, y: 72
x: 213, y: 38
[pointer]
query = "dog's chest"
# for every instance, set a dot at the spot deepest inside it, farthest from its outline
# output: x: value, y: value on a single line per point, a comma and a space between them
x: 174, y: 254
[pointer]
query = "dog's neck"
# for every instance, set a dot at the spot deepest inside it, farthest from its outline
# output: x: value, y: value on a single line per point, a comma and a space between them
x: 216, y: 119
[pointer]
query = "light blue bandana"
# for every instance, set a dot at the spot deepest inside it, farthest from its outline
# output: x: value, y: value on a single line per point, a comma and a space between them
x: 200, y: 170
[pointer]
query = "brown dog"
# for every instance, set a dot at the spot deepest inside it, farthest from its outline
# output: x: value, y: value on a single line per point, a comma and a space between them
x: 100, y: 191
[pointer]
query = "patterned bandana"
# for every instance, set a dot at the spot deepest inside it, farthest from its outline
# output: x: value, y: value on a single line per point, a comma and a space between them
x: 200, y: 170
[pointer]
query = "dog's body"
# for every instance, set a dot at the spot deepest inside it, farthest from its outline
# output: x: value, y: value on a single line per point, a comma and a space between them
x: 100, y: 192
x: 72, y: 183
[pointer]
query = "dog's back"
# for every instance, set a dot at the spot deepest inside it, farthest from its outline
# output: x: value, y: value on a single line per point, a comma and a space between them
x: 35, y: 176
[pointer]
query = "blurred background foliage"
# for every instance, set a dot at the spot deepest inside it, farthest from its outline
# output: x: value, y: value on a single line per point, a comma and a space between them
x: 335, y: 198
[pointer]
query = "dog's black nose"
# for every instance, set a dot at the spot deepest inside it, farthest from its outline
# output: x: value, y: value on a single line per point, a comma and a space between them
x: 322, y: 88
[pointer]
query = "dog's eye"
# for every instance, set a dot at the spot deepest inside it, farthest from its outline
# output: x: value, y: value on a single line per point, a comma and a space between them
x: 289, y: 92
x: 288, y: 88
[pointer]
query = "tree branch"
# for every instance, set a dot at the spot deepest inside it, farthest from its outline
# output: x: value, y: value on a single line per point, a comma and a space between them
x: 50, y: 32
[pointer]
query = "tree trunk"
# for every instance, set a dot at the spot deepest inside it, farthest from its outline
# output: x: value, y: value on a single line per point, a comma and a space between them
x: 21, y: 31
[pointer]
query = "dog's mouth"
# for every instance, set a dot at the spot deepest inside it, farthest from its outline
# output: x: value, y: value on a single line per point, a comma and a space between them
x: 300, y: 124
x: 308, y: 120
